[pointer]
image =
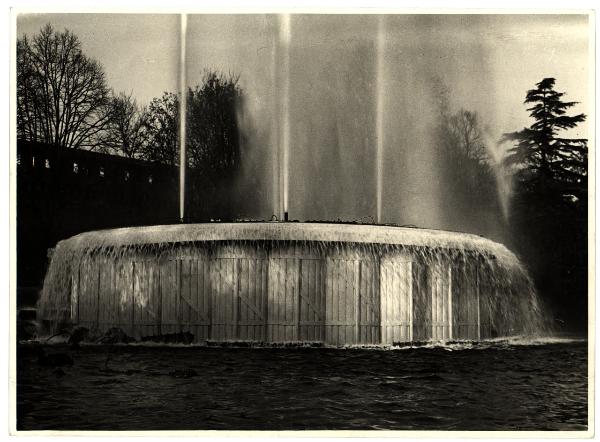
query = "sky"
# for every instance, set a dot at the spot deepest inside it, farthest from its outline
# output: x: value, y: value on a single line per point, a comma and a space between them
x: 486, y: 63
x: 495, y: 58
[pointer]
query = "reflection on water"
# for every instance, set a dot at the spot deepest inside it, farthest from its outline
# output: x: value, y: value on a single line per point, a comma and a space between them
x: 539, y: 385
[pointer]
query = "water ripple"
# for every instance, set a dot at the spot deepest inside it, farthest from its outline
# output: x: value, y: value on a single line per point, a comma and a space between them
x: 499, y: 385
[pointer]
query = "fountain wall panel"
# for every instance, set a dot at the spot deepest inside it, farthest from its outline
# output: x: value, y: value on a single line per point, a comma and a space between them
x: 465, y: 294
x: 422, y: 313
x: 369, y: 305
x: 312, y: 299
x: 396, y: 292
x: 441, y: 301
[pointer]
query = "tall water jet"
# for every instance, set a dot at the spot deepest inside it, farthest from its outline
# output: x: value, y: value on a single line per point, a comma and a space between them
x: 379, y: 113
x: 182, y: 116
x: 284, y: 42
x: 274, y: 133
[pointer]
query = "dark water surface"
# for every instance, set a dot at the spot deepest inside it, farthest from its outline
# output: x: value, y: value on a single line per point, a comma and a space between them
x: 489, y: 386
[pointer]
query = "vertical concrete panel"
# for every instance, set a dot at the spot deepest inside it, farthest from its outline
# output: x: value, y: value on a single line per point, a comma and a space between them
x: 450, y: 329
x: 350, y: 297
x: 263, y: 295
x: 435, y: 303
x: 102, y: 294
x: 124, y: 289
x: 185, y: 307
x: 384, y: 299
x: 291, y: 299
x: 169, y: 287
x: 464, y: 301
x: 252, y: 314
x: 332, y: 312
x: 284, y: 279
x: 273, y: 298
x: 312, y: 298
x: 329, y: 308
x: 75, y: 293
x: 486, y: 294
x: 223, y: 281
x: 192, y: 294
x: 88, y: 294
x: 204, y: 299
x: 146, y: 310
x: 369, y: 305
x: 396, y: 298
x: 107, y: 305
x: 339, y: 317
x: 245, y: 295
x: 422, y: 307
x: 154, y: 307
x: 440, y: 278
x: 197, y: 316
x: 139, y: 292
x: 408, y: 318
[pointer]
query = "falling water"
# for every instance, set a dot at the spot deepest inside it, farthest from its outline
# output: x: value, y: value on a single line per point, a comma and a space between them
x: 182, y: 115
x: 85, y: 263
x: 379, y: 111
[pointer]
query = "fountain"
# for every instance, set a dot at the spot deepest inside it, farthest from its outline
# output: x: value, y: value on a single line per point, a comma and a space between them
x: 291, y: 282
x: 282, y: 282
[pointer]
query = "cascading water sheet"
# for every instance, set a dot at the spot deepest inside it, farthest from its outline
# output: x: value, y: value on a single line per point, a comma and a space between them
x: 291, y: 282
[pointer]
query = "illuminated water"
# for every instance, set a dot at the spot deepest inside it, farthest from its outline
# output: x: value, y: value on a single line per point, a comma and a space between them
x: 514, y: 306
x: 516, y: 385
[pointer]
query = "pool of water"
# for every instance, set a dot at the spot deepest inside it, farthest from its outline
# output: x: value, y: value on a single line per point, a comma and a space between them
x: 502, y: 385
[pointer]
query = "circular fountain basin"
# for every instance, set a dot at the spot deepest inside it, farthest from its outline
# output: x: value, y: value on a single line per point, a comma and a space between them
x: 267, y: 283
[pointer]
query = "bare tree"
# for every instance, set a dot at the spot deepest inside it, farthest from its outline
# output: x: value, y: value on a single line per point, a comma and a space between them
x: 62, y: 96
x: 127, y: 130
x: 28, y: 93
x: 162, y: 124
x: 213, y: 134
x: 467, y: 135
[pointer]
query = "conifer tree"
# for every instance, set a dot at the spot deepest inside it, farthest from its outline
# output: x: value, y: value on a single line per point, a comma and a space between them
x: 547, y: 163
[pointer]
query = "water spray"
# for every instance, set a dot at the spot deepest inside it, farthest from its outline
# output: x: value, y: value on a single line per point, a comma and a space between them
x: 284, y: 40
x: 379, y: 114
x: 182, y: 113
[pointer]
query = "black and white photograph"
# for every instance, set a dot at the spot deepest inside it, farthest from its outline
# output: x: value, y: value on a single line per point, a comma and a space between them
x: 288, y: 221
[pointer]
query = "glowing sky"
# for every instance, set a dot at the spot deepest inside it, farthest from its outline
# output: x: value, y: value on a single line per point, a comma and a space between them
x: 492, y: 59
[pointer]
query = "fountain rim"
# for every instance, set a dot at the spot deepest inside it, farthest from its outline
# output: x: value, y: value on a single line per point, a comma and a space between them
x: 311, y: 232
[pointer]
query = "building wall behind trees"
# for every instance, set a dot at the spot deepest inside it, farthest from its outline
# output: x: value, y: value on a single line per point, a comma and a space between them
x: 63, y: 192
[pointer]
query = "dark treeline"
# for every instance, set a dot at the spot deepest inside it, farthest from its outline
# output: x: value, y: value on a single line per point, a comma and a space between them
x: 63, y: 100
x: 549, y: 211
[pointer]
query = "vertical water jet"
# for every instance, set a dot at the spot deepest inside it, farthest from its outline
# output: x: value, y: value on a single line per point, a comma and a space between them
x: 284, y: 41
x: 274, y: 136
x: 182, y: 115
x: 379, y: 114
